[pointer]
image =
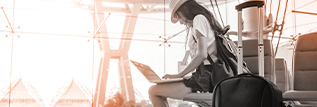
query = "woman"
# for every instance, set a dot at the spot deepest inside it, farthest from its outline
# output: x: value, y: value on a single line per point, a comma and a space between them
x: 201, y: 41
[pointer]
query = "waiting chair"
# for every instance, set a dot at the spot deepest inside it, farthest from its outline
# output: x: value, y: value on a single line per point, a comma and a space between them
x: 201, y: 99
x: 304, y: 80
x: 282, y: 74
x: 250, y: 57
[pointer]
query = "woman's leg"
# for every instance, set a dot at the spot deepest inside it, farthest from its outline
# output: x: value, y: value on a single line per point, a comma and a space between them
x: 158, y: 93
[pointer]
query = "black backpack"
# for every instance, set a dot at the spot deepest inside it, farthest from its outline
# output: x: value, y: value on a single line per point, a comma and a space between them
x: 247, y: 90
x: 227, y: 64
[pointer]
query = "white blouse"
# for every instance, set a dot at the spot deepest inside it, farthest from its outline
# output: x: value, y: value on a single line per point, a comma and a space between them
x: 201, y: 24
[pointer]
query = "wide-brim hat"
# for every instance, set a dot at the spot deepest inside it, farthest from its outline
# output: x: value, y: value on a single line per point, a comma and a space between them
x: 174, y: 5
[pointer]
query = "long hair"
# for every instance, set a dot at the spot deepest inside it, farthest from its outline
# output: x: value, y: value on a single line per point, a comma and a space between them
x: 191, y: 8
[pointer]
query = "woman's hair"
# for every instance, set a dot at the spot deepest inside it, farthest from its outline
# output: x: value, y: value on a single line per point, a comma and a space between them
x: 191, y: 8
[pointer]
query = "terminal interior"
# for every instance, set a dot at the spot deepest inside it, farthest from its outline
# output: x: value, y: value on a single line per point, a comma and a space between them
x: 71, y: 53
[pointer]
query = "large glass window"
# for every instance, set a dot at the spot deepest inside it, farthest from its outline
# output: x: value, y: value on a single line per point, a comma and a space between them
x: 49, y: 57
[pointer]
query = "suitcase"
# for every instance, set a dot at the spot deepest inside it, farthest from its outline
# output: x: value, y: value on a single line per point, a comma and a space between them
x: 246, y: 89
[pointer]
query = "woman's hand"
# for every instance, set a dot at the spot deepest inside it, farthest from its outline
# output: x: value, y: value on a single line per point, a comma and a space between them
x: 172, y: 76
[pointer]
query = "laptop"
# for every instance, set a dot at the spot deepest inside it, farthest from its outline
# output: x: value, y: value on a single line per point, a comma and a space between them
x: 151, y: 76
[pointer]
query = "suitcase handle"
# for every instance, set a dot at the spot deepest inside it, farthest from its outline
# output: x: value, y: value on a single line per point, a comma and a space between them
x: 239, y: 7
x: 247, y: 74
x: 249, y: 4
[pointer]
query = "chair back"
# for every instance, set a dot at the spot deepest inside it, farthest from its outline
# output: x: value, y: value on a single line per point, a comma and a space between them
x: 282, y: 74
x: 305, y: 62
x: 250, y: 56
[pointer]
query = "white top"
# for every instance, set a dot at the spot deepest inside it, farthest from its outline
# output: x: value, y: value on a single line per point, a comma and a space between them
x: 201, y: 24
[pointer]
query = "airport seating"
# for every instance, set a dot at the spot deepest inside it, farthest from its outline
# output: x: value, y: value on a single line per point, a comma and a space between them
x: 304, y: 78
x: 250, y: 56
x: 201, y: 99
x: 282, y: 74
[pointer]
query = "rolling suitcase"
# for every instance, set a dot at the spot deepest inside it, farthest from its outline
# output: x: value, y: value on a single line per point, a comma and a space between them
x: 246, y: 89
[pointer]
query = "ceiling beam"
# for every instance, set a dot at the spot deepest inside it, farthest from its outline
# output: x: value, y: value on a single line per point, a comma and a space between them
x: 138, y: 1
x: 153, y: 1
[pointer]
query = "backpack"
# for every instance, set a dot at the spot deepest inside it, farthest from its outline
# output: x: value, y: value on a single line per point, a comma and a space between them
x: 247, y: 90
x: 227, y: 52
x: 227, y: 64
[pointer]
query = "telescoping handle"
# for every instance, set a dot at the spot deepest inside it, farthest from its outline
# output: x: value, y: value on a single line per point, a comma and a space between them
x: 247, y: 4
x: 239, y: 8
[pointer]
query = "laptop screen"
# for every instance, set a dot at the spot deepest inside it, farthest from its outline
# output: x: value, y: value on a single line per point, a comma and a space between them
x: 146, y: 71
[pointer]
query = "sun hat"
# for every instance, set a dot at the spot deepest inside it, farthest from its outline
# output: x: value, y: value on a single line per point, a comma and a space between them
x: 174, y: 5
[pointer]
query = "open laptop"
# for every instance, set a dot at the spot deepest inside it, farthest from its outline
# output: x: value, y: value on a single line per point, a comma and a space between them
x: 151, y: 76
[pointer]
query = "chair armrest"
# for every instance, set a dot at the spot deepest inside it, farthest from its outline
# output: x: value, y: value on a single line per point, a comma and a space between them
x: 202, y: 99
x: 196, y: 97
x: 300, y: 95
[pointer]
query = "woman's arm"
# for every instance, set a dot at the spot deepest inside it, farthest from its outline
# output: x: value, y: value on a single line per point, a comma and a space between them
x: 200, y: 56
x: 197, y: 60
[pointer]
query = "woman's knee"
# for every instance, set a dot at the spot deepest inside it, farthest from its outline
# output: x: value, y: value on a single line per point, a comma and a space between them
x: 152, y: 89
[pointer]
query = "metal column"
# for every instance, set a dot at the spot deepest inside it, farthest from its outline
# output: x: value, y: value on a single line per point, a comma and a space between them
x: 102, y: 77
x: 127, y: 89
x: 125, y: 77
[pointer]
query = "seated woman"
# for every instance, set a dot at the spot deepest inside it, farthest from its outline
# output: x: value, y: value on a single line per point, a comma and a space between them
x: 202, y: 28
